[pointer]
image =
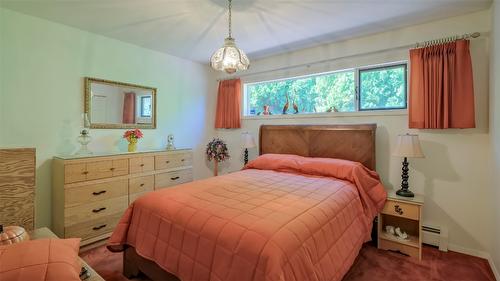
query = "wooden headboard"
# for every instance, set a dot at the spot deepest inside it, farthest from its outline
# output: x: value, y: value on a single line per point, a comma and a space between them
x: 351, y: 142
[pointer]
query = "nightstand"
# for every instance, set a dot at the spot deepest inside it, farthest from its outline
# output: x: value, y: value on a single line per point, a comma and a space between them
x: 406, y: 213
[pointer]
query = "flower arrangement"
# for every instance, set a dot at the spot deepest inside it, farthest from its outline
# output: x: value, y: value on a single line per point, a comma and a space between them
x: 132, y: 136
x: 217, y: 150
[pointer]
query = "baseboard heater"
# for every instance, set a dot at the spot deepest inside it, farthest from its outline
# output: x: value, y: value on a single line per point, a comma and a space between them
x: 435, y: 236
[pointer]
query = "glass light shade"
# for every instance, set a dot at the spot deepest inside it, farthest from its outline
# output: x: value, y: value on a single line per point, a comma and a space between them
x: 408, y: 146
x: 229, y: 58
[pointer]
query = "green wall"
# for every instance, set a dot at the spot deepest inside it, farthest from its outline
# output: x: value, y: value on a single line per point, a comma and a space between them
x: 42, y: 69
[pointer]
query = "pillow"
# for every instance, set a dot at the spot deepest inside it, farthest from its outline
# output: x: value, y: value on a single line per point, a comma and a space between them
x: 41, y: 260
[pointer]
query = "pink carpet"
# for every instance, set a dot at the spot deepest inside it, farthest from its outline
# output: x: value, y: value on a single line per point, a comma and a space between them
x: 371, y: 265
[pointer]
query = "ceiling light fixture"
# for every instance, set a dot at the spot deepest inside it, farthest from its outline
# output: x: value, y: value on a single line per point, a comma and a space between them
x: 229, y: 57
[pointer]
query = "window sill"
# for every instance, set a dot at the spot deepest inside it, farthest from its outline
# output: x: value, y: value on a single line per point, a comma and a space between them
x: 395, y: 112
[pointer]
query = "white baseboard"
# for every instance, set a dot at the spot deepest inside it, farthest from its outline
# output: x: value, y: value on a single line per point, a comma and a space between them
x: 476, y: 253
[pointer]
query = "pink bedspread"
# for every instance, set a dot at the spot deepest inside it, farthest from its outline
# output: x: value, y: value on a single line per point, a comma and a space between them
x: 282, y: 218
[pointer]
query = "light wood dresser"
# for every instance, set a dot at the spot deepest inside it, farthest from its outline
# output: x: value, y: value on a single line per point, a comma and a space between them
x: 406, y: 213
x: 91, y: 193
x: 17, y: 187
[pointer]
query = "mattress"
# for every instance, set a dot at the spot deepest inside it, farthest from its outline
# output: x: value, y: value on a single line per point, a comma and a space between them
x: 283, y: 217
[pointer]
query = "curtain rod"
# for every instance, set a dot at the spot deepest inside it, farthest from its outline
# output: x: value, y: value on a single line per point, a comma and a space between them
x: 447, y: 39
x: 309, y: 64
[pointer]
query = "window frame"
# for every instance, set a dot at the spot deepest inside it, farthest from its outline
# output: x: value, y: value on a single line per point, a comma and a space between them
x: 357, y: 90
x: 142, y: 106
x: 383, y: 66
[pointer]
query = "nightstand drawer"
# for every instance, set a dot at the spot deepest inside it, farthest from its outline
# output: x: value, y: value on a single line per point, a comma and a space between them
x: 398, y: 247
x: 401, y: 209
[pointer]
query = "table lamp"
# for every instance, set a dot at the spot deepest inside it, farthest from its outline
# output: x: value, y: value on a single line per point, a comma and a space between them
x: 407, y: 146
x: 248, y: 142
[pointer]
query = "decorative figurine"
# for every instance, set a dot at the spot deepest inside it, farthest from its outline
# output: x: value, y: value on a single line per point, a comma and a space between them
x: 170, y: 142
x: 266, y: 110
x: 287, y: 104
x: 295, y: 108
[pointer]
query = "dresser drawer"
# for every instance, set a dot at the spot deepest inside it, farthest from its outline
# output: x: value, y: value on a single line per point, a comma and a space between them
x: 99, y: 170
x: 141, y: 184
x: 93, y: 228
x: 95, y: 192
x: 95, y: 170
x: 119, y: 167
x: 401, y: 209
x: 173, y: 160
x: 173, y: 178
x: 95, y: 210
x: 75, y: 172
x: 142, y: 164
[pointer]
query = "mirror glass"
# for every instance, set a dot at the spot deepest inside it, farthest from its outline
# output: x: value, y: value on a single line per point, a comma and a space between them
x: 111, y: 104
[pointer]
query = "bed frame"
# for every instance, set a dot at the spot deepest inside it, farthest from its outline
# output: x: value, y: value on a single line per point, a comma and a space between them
x: 355, y: 142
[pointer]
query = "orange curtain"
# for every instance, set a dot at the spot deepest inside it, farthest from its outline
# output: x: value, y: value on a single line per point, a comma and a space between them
x: 441, y: 87
x: 228, y: 112
x: 129, y: 108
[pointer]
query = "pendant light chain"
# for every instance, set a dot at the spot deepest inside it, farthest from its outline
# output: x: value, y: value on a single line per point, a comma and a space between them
x: 230, y: 28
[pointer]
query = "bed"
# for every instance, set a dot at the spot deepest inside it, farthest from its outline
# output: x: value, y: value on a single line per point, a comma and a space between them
x: 300, y: 211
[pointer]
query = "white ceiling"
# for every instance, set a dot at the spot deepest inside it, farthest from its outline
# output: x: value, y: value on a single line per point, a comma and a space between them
x: 193, y: 29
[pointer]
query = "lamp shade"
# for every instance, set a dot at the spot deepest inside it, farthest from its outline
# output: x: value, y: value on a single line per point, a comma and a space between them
x: 248, y: 140
x: 229, y: 58
x: 408, y: 146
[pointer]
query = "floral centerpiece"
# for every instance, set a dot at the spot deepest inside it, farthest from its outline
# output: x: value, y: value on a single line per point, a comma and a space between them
x: 132, y: 136
x: 217, y: 151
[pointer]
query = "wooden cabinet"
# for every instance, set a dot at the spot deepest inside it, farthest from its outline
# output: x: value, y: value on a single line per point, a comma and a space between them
x: 17, y: 187
x: 405, y: 213
x: 90, y: 194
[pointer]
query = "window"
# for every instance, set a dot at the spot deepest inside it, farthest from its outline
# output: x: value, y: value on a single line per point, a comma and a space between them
x: 146, y: 106
x: 382, y: 87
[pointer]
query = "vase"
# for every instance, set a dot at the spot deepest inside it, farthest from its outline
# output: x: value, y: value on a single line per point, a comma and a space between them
x: 216, y: 168
x: 132, y: 146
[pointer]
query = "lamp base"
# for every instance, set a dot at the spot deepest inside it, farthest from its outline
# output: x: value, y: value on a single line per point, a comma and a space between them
x: 405, y: 193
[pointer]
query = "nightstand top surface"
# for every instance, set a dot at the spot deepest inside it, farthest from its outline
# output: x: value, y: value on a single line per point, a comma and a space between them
x: 418, y: 199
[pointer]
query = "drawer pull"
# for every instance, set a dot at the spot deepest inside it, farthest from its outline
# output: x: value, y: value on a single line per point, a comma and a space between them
x: 398, y: 209
x: 99, y: 210
x: 142, y: 165
x: 99, y: 192
x: 99, y: 227
x: 175, y: 178
x: 167, y: 162
x: 111, y: 169
x: 141, y: 184
x: 182, y: 160
x: 85, y: 172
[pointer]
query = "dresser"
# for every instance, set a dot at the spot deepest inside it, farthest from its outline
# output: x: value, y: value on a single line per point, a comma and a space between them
x: 17, y: 187
x: 91, y: 193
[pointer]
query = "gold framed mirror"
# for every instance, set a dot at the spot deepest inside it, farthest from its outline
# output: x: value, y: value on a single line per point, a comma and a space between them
x: 118, y: 105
